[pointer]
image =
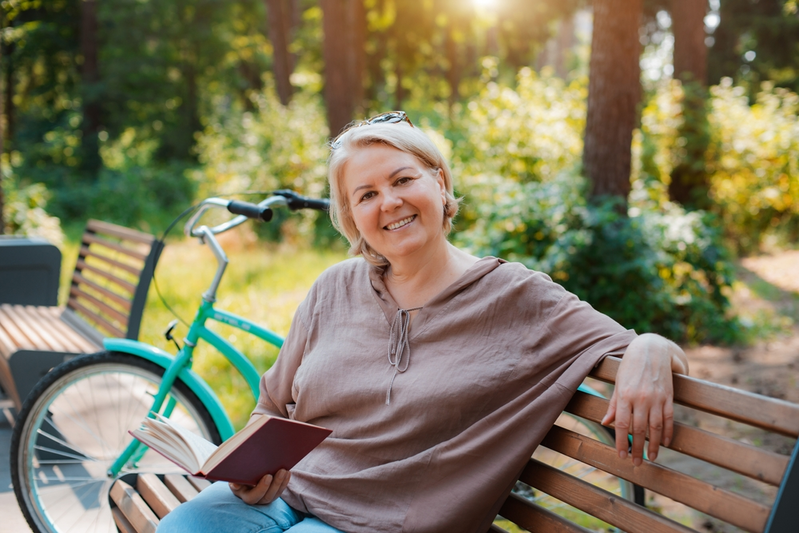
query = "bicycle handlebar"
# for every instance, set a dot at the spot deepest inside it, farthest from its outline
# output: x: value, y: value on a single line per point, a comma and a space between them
x: 297, y: 201
x: 250, y: 210
x: 245, y: 210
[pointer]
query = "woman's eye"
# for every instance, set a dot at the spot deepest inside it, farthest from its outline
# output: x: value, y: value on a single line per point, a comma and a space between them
x: 367, y: 196
x: 402, y: 180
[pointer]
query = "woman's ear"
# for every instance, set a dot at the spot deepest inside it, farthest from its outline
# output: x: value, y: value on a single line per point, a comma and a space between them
x: 440, y: 180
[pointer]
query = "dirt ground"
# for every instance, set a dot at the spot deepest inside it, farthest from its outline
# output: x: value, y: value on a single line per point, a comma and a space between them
x: 767, y: 300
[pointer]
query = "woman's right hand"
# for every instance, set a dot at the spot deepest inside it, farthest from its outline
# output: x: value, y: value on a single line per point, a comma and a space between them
x: 266, y: 491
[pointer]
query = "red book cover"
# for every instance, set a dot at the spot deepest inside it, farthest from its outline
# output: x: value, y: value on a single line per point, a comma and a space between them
x: 278, y: 444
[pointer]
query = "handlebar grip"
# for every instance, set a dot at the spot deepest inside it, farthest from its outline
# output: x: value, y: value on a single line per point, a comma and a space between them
x: 296, y: 201
x: 250, y: 210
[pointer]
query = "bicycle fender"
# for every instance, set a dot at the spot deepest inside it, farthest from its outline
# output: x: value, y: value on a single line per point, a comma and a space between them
x: 195, y: 383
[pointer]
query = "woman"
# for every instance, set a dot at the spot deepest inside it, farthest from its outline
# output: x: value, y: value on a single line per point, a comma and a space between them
x: 438, y: 372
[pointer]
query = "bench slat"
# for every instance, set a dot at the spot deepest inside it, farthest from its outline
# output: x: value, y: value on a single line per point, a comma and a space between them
x: 766, y: 413
x: 536, y: 519
x: 705, y: 497
x: 595, y: 501
x: 27, y: 315
x: 140, y: 516
x: 7, y: 346
x: 87, y: 253
x: 199, y: 483
x: 78, y: 279
x: 97, y: 319
x: 75, y: 341
x: 81, y: 265
x: 107, y: 309
x: 89, y: 238
x: 98, y: 226
x: 122, y: 523
x: 156, y: 494
x: 35, y: 337
x: 17, y: 337
x: 733, y: 455
x: 182, y: 489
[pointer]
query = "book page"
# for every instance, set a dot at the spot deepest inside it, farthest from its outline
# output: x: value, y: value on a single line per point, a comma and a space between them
x: 176, y: 443
x: 200, y: 448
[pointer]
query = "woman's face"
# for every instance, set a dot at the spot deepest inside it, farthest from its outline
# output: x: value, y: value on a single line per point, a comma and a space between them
x: 397, y: 202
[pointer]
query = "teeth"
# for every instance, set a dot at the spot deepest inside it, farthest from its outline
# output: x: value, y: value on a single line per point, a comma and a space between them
x: 399, y: 224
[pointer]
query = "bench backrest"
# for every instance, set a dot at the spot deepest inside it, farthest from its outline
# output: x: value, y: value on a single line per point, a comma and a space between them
x: 112, y: 276
x: 689, y: 489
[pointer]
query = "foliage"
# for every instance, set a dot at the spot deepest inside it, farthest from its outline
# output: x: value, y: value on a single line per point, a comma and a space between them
x: 755, y: 163
x: 661, y: 270
x: 752, y: 158
x: 24, y: 210
x: 756, y: 42
x: 267, y: 148
x: 530, y: 132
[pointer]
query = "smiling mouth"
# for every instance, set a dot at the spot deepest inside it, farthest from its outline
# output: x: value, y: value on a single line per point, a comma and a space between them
x: 400, y: 223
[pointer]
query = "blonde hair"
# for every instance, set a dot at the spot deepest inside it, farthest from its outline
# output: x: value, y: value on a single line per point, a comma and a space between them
x: 401, y: 136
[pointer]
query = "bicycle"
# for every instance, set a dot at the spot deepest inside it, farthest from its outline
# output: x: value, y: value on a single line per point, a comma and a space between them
x: 71, y: 440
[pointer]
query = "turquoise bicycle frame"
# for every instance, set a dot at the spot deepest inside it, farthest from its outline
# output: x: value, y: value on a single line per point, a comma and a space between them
x: 179, y: 366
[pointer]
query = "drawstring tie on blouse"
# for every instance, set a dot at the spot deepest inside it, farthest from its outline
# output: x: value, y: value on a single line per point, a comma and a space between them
x: 398, y: 344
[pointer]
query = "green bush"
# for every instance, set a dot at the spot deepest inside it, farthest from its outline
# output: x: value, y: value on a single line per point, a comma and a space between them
x: 528, y: 133
x: 755, y: 163
x: 752, y: 158
x: 271, y: 147
x: 663, y: 271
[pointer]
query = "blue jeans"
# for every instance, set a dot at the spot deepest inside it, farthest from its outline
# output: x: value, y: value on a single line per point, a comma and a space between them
x: 218, y: 509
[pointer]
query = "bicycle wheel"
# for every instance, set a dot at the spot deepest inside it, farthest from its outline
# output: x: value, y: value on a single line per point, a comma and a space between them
x: 75, y: 424
x: 620, y: 487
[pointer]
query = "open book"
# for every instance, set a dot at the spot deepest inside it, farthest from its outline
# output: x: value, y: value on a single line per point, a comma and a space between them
x: 265, y: 446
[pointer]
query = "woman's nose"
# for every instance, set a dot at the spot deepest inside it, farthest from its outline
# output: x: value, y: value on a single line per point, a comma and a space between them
x: 391, y: 201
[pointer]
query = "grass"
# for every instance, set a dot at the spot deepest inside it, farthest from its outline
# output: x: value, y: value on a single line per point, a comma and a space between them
x: 263, y: 282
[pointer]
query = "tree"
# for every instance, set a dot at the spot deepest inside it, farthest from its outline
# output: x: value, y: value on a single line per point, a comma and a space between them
x: 280, y: 35
x: 756, y: 41
x: 90, y: 74
x: 344, y: 30
x: 689, y: 179
x: 614, y: 90
x: 690, y: 51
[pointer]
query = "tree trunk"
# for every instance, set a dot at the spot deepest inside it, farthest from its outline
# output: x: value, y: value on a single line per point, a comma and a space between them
x: 356, y: 21
x: 335, y: 53
x: 280, y: 14
x: 90, y: 74
x: 614, y: 89
x: 689, y: 179
x: 690, y: 51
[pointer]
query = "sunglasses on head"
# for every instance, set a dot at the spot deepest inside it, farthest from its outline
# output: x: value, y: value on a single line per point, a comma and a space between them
x: 389, y: 117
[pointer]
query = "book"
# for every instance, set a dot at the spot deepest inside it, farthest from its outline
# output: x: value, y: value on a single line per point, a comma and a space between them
x: 266, y: 445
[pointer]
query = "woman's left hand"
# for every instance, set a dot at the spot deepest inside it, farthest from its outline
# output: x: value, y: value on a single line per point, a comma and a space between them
x: 643, y: 397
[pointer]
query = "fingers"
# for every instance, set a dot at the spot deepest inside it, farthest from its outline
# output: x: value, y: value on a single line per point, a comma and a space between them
x: 277, y: 486
x: 268, y: 489
x: 623, y: 426
x: 639, y: 435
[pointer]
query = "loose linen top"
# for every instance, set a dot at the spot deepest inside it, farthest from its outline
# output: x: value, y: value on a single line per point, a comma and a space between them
x: 492, y: 361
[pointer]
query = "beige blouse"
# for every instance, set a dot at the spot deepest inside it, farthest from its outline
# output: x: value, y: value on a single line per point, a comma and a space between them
x: 434, y: 441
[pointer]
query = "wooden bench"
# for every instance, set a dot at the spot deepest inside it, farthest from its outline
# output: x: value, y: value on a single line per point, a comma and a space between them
x: 694, y: 501
x: 106, y: 299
